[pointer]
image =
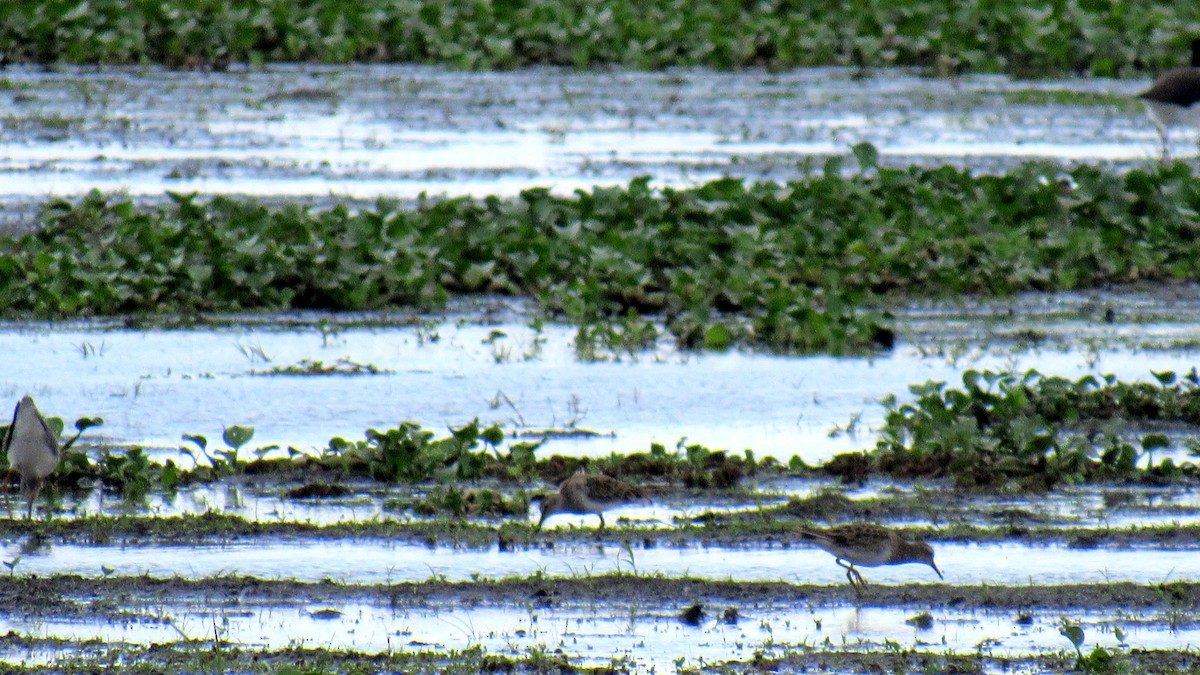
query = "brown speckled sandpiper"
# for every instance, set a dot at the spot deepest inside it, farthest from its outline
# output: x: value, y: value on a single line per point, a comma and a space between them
x: 1174, y: 98
x: 588, y: 493
x: 868, y: 545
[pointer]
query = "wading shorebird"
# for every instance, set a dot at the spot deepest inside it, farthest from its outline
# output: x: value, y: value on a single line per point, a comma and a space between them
x: 33, y: 452
x: 588, y: 493
x: 870, y: 546
x: 1174, y: 98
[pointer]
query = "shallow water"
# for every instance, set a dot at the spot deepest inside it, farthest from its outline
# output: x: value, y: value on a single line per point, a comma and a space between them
x: 1069, y: 507
x: 375, y: 562
x: 397, y: 131
x: 649, y: 636
x: 320, y: 134
x: 153, y: 386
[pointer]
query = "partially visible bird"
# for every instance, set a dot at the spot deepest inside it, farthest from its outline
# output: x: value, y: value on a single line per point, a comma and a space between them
x: 868, y: 545
x: 588, y: 493
x: 32, y: 449
x: 1174, y: 98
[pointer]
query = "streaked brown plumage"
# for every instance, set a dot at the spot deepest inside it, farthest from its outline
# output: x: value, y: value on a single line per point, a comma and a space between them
x: 1174, y: 98
x: 588, y: 493
x: 32, y: 449
x: 868, y: 545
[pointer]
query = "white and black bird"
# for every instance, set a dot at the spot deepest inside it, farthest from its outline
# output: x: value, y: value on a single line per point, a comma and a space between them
x: 1174, y: 98
x: 33, y: 450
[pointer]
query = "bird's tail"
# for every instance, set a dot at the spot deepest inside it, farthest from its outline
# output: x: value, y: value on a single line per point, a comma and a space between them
x: 805, y: 534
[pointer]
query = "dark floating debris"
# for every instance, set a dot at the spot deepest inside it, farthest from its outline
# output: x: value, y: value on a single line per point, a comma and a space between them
x: 693, y: 615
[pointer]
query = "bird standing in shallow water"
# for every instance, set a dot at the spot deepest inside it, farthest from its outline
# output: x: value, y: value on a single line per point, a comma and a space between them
x: 32, y: 449
x: 868, y: 545
x: 588, y: 493
x: 1174, y: 98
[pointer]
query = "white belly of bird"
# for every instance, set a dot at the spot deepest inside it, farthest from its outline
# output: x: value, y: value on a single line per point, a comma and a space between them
x: 866, y: 558
x: 1168, y: 115
x: 34, y: 464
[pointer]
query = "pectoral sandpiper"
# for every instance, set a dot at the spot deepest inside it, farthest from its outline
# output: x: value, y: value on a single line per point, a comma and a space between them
x: 1174, y: 98
x: 32, y: 449
x: 868, y: 545
x: 588, y: 493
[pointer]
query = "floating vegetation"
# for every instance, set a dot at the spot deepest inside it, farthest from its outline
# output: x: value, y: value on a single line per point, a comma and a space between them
x: 308, y: 367
x: 459, y: 503
x: 1034, y: 431
x: 1002, y: 431
x: 1059, y: 37
x: 807, y: 266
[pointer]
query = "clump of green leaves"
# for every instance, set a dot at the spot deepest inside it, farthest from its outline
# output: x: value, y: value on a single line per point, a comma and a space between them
x: 410, y: 454
x: 469, y: 503
x: 1032, y: 431
x: 1100, y: 661
x: 1055, y: 38
x: 808, y: 266
x: 309, y: 367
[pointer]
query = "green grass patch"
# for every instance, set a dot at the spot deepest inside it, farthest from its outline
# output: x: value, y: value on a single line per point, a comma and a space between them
x: 221, y: 656
x: 772, y: 525
x: 1041, y: 97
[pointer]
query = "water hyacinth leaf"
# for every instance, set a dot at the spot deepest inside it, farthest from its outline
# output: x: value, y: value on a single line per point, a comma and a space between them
x: 718, y: 337
x: 493, y: 435
x: 169, y: 477
x: 1073, y: 633
x: 970, y: 379
x: 1154, y: 442
x: 236, y: 436
x: 833, y: 167
x: 867, y: 156
x: 1166, y: 378
x: 56, y: 425
x: 88, y: 422
x: 200, y: 441
x: 468, y: 433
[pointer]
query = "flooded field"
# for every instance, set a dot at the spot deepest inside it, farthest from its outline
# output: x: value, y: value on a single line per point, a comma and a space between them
x: 152, y: 386
x: 382, y: 131
x: 289, y: 580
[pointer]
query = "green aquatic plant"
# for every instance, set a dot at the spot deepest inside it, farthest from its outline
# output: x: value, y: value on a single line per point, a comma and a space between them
x: 1034, y: 431
x: 466, y: 503
x: 972, y: 35
x: 221, y: 462
x: 310, y: 367
x: 129, y: 472
x: 1100, y: 660
x: 812, y: 265
x: 410, y: 454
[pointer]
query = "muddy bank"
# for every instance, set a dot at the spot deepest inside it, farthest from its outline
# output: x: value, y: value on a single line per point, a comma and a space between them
x: 61, y: 595
x: 206, y: 656
x: 819, y: 662
x: 512, y: 536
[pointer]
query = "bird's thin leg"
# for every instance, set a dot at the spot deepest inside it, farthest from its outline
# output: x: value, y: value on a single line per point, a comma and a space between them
x: 1162, y: 135
x: 32, y: 497
x: 852, y: 575
x: 8, y: 492
x: 601, y: 520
